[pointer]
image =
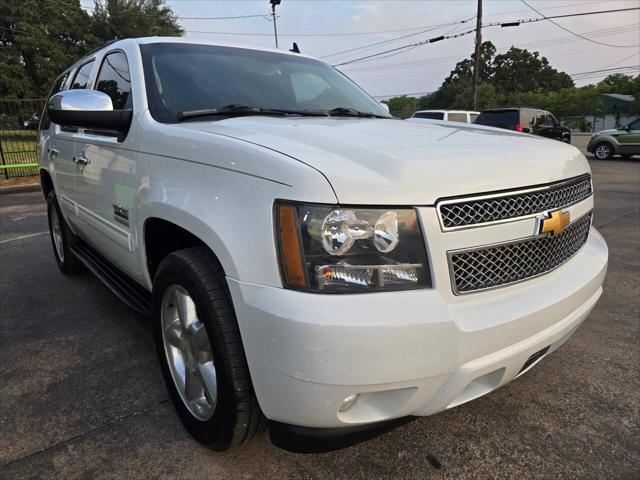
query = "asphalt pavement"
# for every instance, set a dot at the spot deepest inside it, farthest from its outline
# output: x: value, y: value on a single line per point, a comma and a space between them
x: 81, y: 393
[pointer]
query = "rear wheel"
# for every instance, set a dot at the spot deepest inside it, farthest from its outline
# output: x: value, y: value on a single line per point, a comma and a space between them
x: 201, y: 352
x: 603, y: 151
x: 61, y: 238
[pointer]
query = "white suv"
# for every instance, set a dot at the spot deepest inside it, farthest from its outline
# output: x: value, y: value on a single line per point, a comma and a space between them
x: 307, y: 258
x: 463, y: 116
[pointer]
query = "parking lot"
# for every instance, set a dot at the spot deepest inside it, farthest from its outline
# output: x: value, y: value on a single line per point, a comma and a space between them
x: 81, y: 394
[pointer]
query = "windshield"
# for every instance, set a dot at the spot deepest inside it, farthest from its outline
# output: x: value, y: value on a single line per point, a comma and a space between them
x: 183, y: 77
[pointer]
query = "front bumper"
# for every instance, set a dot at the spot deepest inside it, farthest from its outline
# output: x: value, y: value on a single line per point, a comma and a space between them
x: 405, y: 353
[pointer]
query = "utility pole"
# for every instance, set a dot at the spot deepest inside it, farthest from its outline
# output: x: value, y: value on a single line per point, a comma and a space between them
x: 273, y: 13
x: 476, y: 63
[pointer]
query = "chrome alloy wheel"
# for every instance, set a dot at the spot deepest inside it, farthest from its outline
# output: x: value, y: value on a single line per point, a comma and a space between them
x: 56, y: 231
x: 603, y: 151
x: 188, y: 353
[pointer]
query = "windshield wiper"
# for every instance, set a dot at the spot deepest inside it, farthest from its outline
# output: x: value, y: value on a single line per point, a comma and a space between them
x: 240, y: 110
x: 352, y: 112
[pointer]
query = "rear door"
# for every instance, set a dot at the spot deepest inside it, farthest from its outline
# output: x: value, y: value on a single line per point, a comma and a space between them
x: 60, y: 150
x: 107, y: 169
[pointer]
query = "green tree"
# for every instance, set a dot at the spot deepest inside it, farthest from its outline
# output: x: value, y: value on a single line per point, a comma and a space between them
x: 519, y: 70
x: 37, y: 40
x: 402, y: 106
x: 133, y: 18
x: 458, y: 83
x: 40, y: 38
x: 501, y: 77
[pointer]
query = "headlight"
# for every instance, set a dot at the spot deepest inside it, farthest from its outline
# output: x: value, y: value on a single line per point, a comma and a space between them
x: 343, y: 249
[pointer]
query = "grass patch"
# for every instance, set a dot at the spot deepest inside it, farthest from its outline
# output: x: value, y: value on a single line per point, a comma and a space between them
x: 18, y: 147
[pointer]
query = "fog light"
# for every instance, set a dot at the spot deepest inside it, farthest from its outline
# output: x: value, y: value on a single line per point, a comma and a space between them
x: 348, y: 402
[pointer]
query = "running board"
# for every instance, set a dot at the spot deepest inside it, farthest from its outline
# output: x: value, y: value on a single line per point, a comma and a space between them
x: 136, y: 297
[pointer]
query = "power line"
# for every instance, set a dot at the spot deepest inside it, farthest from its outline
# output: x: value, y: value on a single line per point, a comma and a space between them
x: 620, y: 61
x: 629, y: 67
x: 603, y: 71
x: 574, y: 33
x: 233, y: 17
x: 493, y: 24
x: 332, y: 34
x: 236, y: 17
x: 535, y: 44
x: 426, y: 29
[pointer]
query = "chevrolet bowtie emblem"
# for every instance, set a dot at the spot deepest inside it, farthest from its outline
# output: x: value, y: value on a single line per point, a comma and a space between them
x: 553, y: 223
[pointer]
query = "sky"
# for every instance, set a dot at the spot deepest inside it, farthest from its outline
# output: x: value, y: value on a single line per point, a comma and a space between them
x: 321, y: 28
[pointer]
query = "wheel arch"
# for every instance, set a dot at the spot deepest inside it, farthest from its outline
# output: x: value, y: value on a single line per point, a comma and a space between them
x: 46, y: 182
x: 608, y: 141
x: 165, y: 232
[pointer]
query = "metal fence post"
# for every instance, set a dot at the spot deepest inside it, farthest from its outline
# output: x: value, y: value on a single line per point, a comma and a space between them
x: 19, y: 120
x: 6, y: 172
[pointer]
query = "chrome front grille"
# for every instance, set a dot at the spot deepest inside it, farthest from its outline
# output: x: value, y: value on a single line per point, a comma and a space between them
x: 490, y: 208
x: 502, y: 264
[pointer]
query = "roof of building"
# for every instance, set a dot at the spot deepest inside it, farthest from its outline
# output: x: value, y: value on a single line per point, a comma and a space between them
x: 619, y: 96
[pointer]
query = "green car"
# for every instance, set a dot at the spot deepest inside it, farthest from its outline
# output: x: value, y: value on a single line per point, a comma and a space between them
x: 624, y: 141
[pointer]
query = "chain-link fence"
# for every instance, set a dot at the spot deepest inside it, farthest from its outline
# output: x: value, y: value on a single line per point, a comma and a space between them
x: 18, y: 130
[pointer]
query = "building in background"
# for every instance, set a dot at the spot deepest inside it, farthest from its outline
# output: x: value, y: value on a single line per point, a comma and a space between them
x: 616, y: 111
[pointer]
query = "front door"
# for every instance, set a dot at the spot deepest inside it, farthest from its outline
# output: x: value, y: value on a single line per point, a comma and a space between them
x: 107, y: 166
x: 59, y: 148
x: 629, y: 139
x: 547, y: 126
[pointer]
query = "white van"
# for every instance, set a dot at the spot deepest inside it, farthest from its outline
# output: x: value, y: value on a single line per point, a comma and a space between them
x: 463, y: 116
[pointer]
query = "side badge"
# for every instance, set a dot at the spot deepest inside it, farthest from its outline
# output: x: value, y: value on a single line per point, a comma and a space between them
x: 121, y: 215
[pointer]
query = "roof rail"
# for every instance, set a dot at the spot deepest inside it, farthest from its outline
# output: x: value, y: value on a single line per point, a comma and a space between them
x: 105, y: 44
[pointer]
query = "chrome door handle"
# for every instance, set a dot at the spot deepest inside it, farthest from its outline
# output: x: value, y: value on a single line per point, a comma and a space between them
x: 81, y: 159
x: 53, y: 151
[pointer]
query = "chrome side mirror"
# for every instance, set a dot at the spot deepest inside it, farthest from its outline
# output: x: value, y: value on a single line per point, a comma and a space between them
x: 80, y: 100
x: 87, y: 109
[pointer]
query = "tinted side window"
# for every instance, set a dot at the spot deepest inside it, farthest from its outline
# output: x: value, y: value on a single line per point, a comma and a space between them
x: 429, y: 115
x: 635, y: 125
x: 498, y: 118
x: 114, y: 80
x: 82, y: 77
x: 57, y: 86
x: 59, y: 83
x: 540, y: 119
x: 550, y: 120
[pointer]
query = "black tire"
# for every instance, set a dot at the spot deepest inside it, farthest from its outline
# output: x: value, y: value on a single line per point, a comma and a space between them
x: 65, y: 258
x: 236, y: 416
x: 603, y: 151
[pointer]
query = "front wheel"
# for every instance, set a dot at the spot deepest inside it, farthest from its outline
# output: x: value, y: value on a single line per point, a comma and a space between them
x: 201, y: 352
x: 603, y: 151
x: 61, y: 238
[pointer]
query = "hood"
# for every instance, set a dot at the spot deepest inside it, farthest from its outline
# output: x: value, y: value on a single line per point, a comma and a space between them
x: 394, y: 162
x: 611, y: 131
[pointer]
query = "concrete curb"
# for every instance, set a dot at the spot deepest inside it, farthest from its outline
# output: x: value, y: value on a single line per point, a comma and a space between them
x: 35, y: 187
